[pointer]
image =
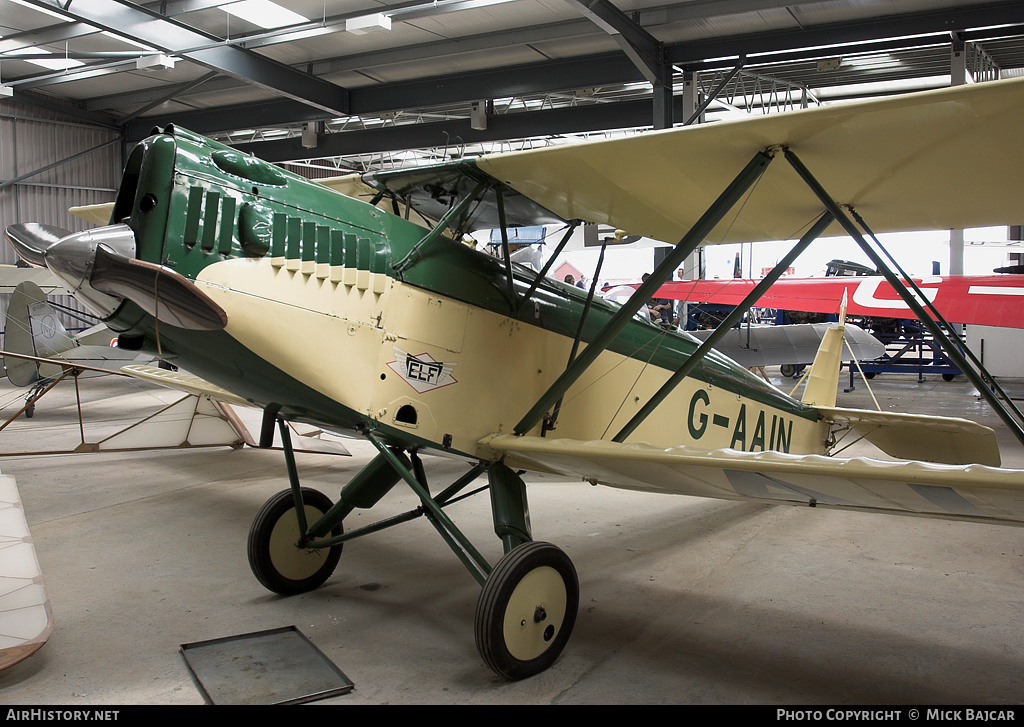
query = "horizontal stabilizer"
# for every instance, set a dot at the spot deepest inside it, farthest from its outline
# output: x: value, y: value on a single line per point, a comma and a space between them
x: 12, y: 276
x: 182, y: 381
x: 193, y: 421
x: 974, y: 492
x: 946, y: 440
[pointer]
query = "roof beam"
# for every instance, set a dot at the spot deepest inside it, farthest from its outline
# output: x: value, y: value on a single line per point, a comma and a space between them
x: 523, y: 125
x: 587, y: 71
x: 498, y: 83
x: 863, y: 30
x: 646, y: 51
x: 384, y: 58
x: 168, y: 35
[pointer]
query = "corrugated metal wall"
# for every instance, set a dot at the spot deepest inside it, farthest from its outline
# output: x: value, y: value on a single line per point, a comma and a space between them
x: 33, y: 138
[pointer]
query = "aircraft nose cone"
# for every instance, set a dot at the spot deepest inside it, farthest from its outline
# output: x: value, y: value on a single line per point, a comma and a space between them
x: 73, y: 258
x: 31, y: 240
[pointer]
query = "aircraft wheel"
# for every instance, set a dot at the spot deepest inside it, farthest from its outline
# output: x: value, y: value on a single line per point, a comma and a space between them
x: 527, y: 610
x: 275, y: 557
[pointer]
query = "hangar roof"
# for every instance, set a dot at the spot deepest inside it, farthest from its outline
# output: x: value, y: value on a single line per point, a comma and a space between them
x: 367, y: 80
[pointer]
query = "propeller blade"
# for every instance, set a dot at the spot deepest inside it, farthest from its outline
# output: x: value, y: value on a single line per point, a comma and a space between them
x: 30, y: 240
x: 166, y: 295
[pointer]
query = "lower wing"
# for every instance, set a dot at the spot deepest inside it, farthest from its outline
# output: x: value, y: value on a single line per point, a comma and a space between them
x: 972, y: 492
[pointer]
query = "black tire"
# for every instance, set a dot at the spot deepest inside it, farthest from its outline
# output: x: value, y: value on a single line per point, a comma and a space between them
x: 948, y: 377
x: 527, y: 610
x: 274, y: 556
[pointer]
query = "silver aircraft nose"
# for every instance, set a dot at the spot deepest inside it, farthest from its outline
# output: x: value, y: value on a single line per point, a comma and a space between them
x: 100, y: 269
x: 72, y: 259
x: 30, y: 240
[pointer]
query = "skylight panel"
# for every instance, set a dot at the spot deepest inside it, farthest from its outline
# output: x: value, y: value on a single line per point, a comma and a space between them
x: 44, y: 11
x: 264, y: 13
x: 54, y: 62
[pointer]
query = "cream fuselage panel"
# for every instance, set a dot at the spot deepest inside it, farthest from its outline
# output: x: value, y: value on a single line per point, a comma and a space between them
x: 433, y: 366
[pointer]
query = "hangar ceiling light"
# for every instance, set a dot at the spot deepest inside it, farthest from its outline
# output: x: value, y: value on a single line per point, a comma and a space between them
x: 264, y: 13
x: 41, y: 57
x: 44, y: 11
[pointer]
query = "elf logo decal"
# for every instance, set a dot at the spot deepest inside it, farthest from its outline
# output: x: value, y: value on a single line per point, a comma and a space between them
x: 421, y: 371
x: 776, y: 434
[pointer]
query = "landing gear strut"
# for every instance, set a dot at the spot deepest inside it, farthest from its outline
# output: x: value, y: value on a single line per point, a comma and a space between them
x: 528, y: 602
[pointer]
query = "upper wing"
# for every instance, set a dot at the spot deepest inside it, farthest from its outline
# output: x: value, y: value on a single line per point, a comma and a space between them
x: 976, y: 492
x: 896, y: 160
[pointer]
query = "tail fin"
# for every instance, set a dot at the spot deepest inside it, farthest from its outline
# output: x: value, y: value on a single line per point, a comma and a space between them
x: 945, y: 440
x: 823, y: 378
x: 32, y: 328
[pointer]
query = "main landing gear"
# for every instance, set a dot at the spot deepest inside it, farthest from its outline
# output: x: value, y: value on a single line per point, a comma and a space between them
x: 529, y: 599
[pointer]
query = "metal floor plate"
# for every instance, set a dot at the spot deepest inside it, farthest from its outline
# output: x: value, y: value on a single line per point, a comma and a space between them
x: 278, y: 666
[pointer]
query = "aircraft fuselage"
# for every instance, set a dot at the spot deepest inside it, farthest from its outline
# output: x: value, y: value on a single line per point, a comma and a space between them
x: 438, y: 355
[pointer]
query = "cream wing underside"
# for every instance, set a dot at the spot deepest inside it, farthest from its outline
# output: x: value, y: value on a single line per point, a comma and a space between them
x: 903, y: 163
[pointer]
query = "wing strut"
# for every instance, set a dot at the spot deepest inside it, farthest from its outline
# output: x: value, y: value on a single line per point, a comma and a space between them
x: 547, y: 266
x: 978, y: 376
x: 724, y: 327
x: 550, y: 422
x: 714, y: 214
x: 939, y: 317
x: 506, y: 252
x: 416, y: 254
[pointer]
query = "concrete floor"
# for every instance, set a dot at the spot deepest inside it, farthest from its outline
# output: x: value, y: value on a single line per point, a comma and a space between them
x: 684, y: 601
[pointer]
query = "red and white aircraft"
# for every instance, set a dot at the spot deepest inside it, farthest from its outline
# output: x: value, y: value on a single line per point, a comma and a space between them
x: 990, y: 300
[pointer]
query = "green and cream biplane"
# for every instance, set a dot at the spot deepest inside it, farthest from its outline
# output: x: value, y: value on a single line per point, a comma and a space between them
x: 353, y: 305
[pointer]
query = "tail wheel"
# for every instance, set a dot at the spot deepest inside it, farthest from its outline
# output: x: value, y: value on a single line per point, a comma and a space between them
x: 527, y: 610
x: 275, y: 556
